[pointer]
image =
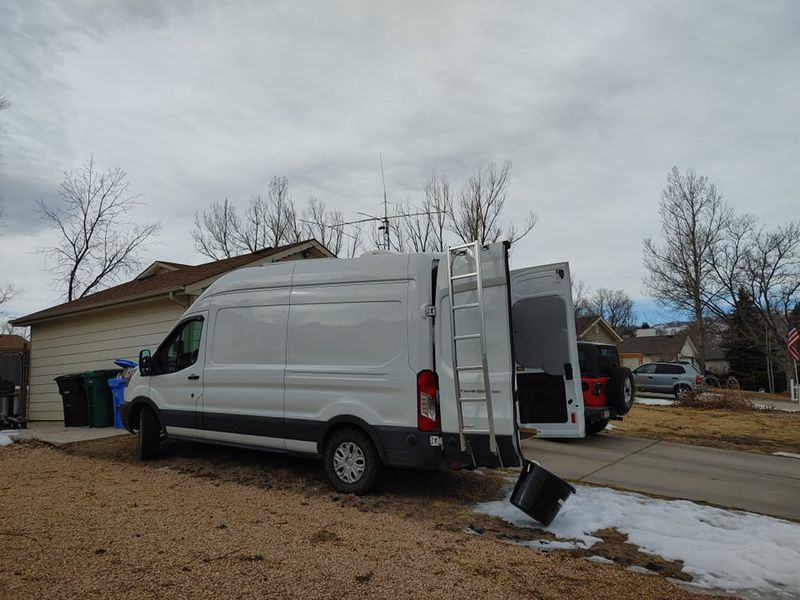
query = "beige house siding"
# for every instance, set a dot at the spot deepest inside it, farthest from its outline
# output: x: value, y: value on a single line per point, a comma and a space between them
x: 90, y: 341
x: 598, y: 334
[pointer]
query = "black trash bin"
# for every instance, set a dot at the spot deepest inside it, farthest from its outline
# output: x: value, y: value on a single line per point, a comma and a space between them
x: 539, y: 493
x: 73, y: 397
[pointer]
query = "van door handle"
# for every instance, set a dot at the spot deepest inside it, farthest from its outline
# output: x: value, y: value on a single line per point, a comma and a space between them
x: 193, y: 377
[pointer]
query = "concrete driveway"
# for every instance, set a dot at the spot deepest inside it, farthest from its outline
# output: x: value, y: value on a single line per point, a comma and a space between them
x: 754, y: 482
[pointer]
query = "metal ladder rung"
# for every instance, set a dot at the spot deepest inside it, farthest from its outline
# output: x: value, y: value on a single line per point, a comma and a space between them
x: 476, y: 431
x: 481, y: 399
x: 468, y: 336
x: 463, y: 276
x: 470, y: 368
x: 467, y: 305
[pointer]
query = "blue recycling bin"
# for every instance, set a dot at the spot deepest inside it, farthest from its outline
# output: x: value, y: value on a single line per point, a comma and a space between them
x: 118, y: 394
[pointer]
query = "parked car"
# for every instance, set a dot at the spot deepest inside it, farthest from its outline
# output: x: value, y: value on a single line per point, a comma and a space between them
x: 673, y: 378
x: 608, y: 388
x: 352, y: 360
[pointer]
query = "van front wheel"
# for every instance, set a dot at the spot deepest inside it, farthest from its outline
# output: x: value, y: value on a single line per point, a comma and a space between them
x: 351, y: 461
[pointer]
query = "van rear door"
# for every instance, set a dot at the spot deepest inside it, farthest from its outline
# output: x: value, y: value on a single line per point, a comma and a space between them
x: 548, y: 379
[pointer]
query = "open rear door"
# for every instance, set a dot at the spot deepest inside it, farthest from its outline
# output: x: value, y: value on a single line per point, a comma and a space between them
x: 548, y: 379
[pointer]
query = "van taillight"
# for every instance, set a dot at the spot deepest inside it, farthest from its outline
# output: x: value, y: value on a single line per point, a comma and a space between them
x: 698, y: 380
x: 427, y: 401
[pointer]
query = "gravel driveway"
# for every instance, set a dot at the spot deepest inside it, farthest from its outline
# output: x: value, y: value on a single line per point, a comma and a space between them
x: 90, y: 521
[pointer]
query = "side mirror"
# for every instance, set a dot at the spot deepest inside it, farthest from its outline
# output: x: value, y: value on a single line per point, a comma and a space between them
x: 145, y: 363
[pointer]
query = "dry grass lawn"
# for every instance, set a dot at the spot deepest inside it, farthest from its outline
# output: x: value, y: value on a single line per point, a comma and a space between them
x: 90, y: 521
x: 751, y: 431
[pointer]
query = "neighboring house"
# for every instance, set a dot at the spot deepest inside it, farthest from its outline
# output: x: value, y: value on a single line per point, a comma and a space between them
x: 13, y: 342
x: 90, y: 332
x: 14, y: 350
x: 716, y: 362
x: 665, y: 329
x: 637, y: 351
x: 595, y: 329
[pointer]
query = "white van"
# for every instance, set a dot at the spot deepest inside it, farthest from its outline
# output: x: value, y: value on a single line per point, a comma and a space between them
x: 352, y: 360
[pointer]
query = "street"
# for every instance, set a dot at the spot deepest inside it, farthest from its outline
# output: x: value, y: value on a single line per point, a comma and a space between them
x: 759, y: 483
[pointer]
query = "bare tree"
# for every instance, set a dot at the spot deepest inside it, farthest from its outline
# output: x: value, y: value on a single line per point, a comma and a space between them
x: 325, y: 226
x: 96, y: 244
x: 215, y: 231
x: 7, y: 290
x: 267, y: 222
x: 616, y: 307
x: 476, y: 212
x: 354, y: 237
x: 580, y: 298
x: 693, y: 221
x: 280, y: 216
x: 439, y: 203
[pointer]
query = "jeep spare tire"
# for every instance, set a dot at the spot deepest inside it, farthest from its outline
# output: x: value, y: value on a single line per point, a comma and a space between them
x: 621, y: 390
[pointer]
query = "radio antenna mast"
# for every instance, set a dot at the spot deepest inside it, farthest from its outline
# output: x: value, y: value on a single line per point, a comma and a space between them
x: 385, y: 225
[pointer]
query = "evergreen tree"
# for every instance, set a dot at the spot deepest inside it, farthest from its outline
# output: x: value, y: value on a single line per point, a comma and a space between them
x: 743, y: 344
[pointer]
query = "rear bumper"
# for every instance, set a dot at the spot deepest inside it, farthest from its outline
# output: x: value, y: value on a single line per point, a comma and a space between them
x: 592, y: 413
x: 413, y: 449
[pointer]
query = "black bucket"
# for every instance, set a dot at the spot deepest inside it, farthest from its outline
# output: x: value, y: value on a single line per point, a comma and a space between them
x: 539, y: 493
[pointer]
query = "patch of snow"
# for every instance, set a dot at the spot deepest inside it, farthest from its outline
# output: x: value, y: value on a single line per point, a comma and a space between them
x: 470, y: 531
x: 721, y: 549
x: 786, y: 454
x: 601, y: 559
x: 5, y: 436
x: 610, y: 426
x: 655, y: 401
x: 547, y: 545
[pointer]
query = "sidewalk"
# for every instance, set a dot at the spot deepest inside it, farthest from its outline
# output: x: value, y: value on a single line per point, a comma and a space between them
x: 754, y: 482
x: 54, y: 432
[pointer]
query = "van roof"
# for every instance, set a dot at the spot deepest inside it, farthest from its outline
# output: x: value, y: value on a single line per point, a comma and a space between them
x: 372, y: 267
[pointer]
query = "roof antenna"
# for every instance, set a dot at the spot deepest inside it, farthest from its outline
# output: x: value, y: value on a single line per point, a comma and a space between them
x: 385, y: 225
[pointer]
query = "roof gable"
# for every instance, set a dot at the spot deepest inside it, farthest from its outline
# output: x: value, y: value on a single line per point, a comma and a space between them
x: 584, y: 324
x: 171, y: 280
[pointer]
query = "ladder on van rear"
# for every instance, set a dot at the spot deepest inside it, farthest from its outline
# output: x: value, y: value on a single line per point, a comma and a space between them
x: 480, y: 336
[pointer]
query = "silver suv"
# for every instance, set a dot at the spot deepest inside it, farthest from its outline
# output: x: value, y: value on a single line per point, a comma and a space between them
x: 668, y: 378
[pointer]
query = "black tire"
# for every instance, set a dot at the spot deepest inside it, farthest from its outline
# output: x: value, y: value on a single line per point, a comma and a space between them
x: 360, y: 475
x: 595, y: 427
x: 621, y: 390
x: 682, y: 391
x: 149, y: 434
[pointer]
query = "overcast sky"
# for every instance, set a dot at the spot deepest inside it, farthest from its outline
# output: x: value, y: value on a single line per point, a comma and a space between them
x: 592, y: 103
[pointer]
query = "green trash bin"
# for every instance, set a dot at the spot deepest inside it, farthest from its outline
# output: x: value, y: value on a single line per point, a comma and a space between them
x: 101, y: 403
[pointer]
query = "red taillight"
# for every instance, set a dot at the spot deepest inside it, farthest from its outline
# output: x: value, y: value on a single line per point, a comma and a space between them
x: 427, y: 401
x: 698, y: 380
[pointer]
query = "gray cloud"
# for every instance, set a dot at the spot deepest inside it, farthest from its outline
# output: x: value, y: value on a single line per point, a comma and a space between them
x: 593, y: 104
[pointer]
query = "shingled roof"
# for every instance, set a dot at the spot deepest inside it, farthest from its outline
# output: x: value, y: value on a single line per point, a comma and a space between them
x: 654, y: 344
x: 161, y: 283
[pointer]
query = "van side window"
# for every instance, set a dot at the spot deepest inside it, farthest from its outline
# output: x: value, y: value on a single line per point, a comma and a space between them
x: 179, y: 351
x: 646, y: 369
x: 669, y: 370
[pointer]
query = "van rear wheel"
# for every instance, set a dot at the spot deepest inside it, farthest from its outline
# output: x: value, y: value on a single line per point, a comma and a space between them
x: 351, y: 461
